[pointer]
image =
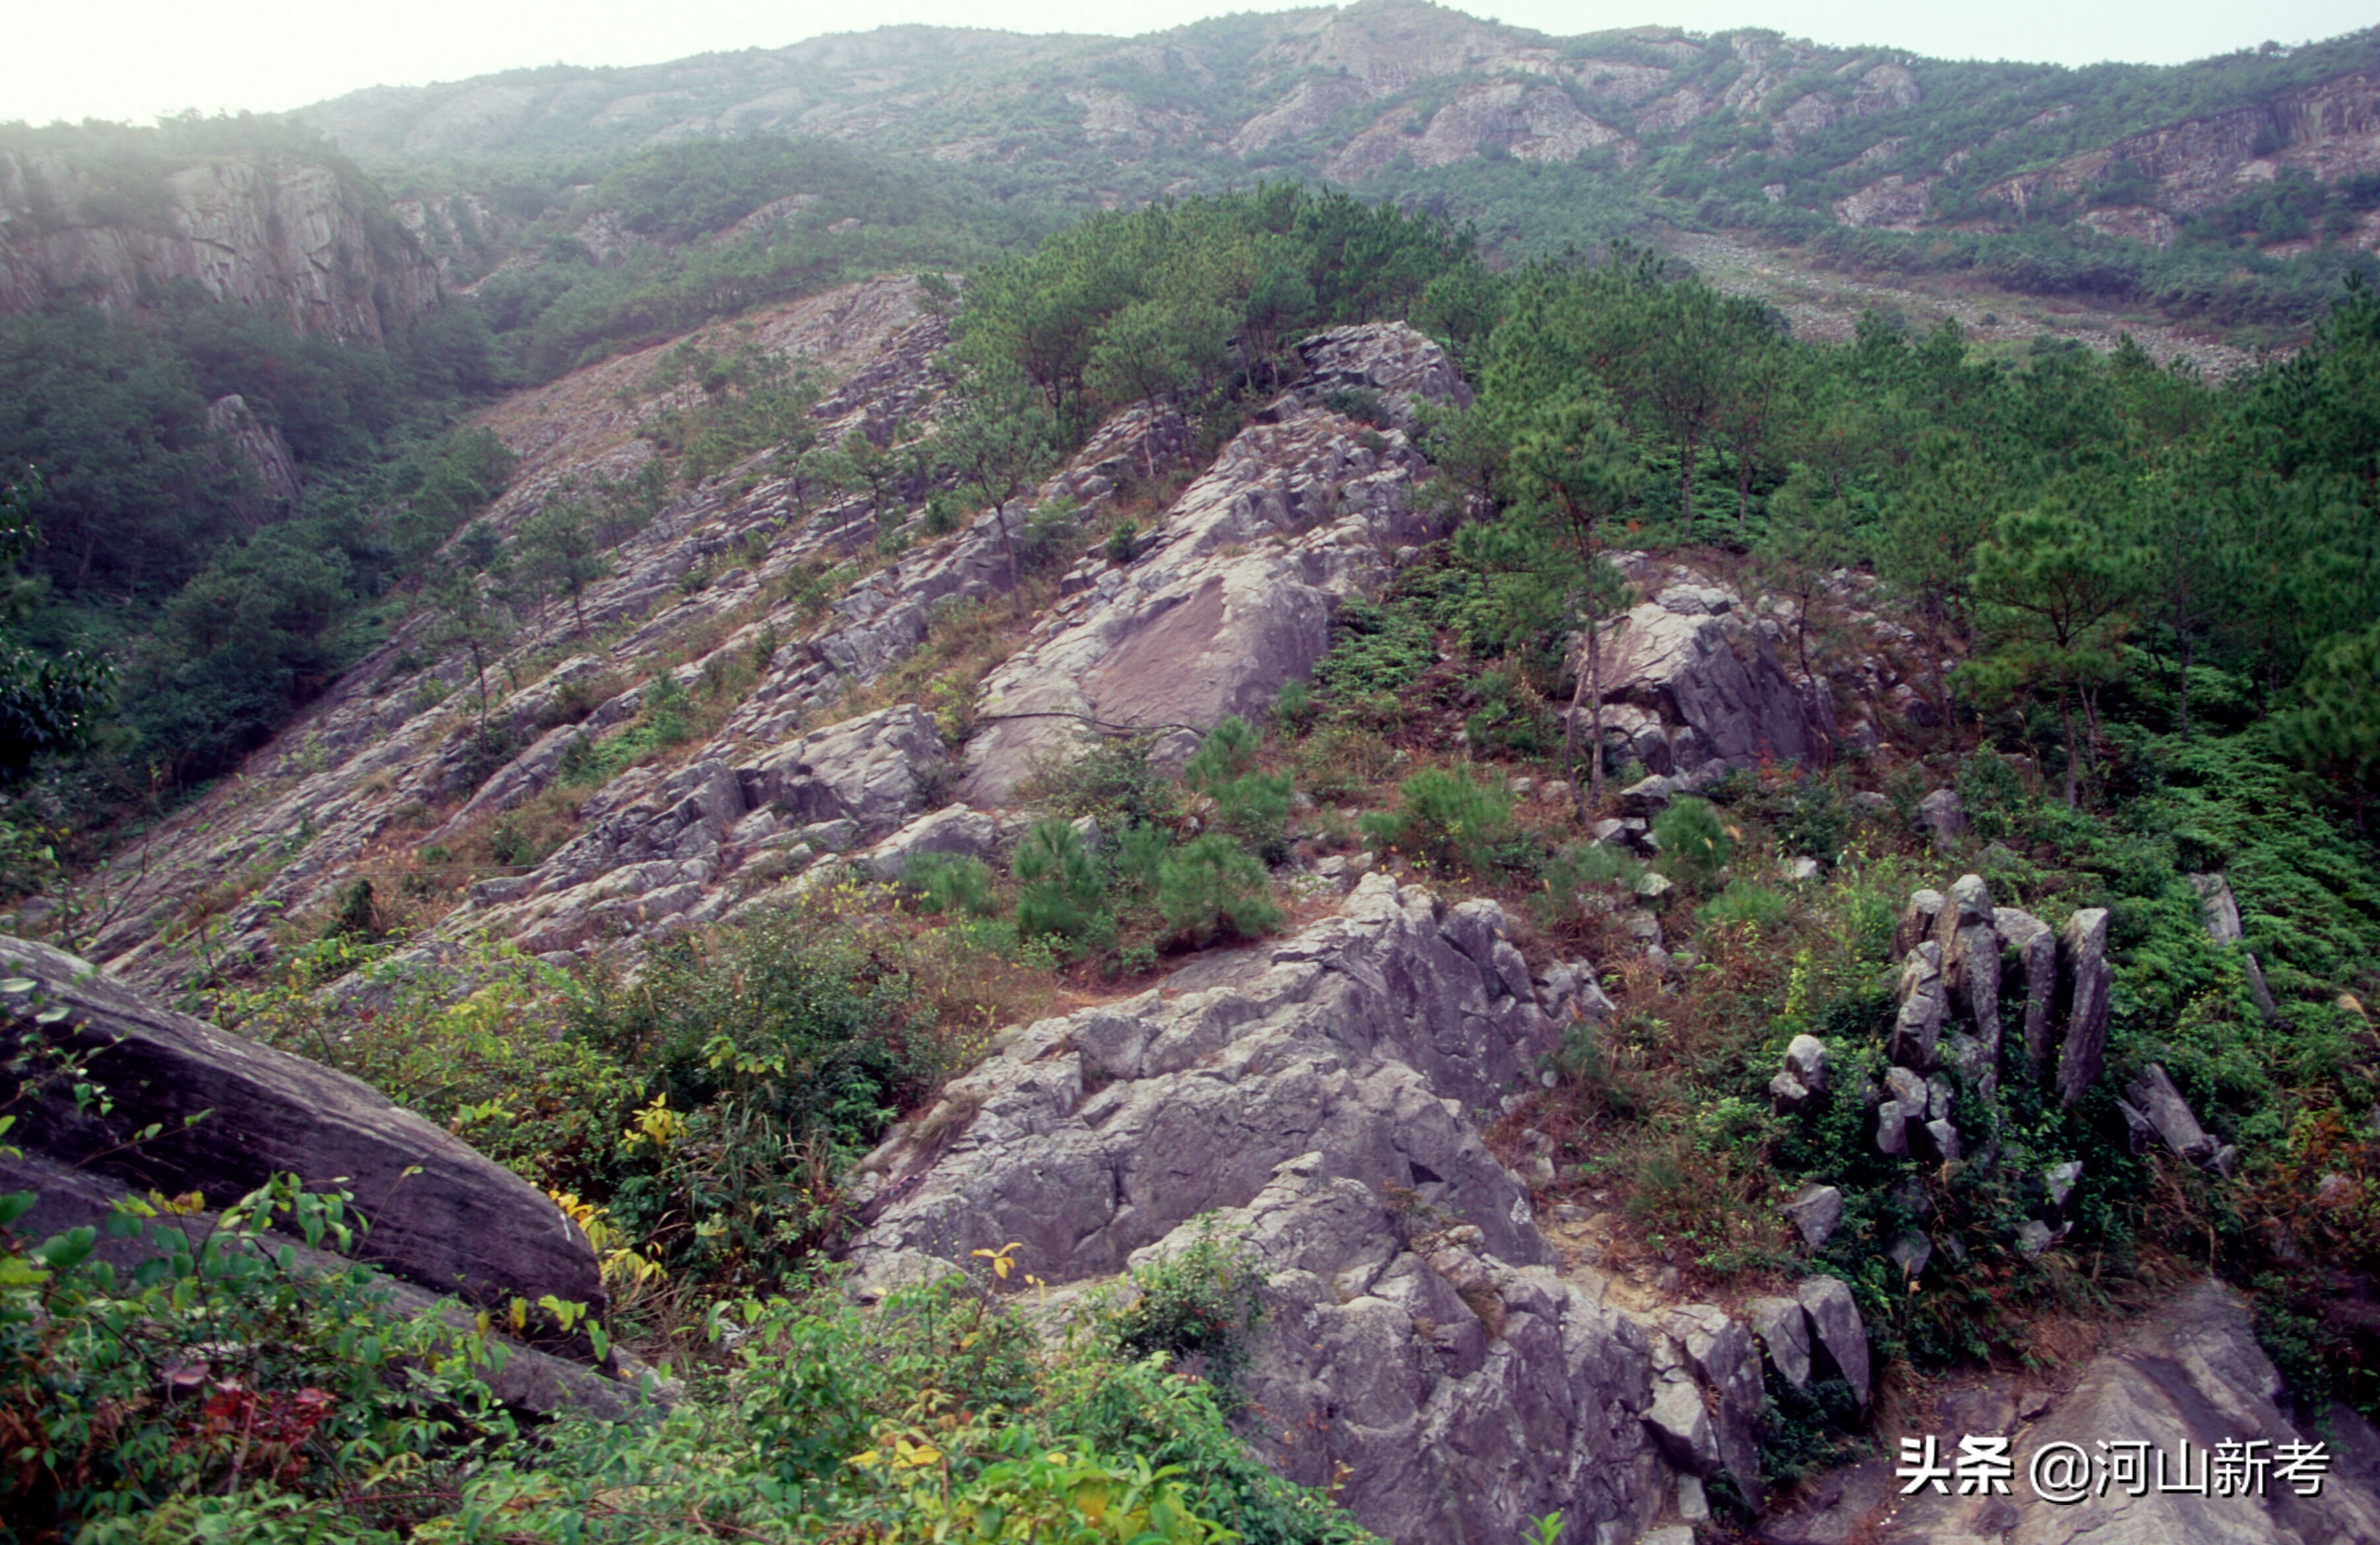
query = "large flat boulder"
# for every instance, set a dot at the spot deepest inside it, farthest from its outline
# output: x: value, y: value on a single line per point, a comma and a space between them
x: 230, y: 1114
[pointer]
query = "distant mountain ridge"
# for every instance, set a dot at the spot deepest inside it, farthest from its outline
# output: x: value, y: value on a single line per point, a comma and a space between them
x: 1744, y: 127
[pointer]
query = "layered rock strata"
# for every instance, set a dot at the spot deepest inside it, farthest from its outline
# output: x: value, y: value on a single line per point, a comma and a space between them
x: 230, y: 1114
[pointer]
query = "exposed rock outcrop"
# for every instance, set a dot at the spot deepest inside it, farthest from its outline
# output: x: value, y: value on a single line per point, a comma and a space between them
x: 284, y: 235
x: 1315, y: 1100
x: 232, y: 1114
x: 1690, y: 677
x: 1233, y: 596
x: 2186, y: 1381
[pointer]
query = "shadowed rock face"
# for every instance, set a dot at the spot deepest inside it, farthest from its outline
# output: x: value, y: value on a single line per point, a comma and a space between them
x: 1690, y: 657
x: 444, y: 1216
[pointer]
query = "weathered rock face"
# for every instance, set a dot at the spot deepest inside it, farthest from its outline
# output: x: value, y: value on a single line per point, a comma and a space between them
x: 881, y: 619
x: 257, y: 452
x: 2192, y: 1374
x: 1689, y: 677
x: 274, y: 233
x: 1315, y: 1100
x: 443, y: 1216
x: 1531, y: 123
x: 1233, y: 596
x: 394, y: 736
x: 1371, y: 1036
x: 654, y: 844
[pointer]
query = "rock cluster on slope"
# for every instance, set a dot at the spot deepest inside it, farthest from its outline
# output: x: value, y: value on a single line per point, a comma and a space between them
x: 1318, y: 1100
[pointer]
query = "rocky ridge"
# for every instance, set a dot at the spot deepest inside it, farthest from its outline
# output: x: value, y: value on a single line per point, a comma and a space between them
x: 1353, y: 92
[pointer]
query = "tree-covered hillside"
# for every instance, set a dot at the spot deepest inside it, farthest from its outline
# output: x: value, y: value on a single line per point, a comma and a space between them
x: 2091, y: 636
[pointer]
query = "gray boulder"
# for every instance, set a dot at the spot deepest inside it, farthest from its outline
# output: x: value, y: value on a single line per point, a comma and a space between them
x: 1836, y: 1326
x: 1917, y: 920
x: 2085, y: 978
x: 441, y: 1215
x: 1726, y: 1363
x: 1892, y: 1120
x: 1291, y: 1089
x: 1943, y: 814
x: 1925, y: 1005
x: 2221, y: 907
x: 2192, y: 1374
x: 1713, y: 674
x: 1970, y: 959
x: 1783, y: 1326
x: 870, y: 770
x: 2154, y: 1095
x: 1647, y: 797
x: 1816, y: 1211
x: 954, y: 829
x: 2035, y: 948
x: 1361, y: 1028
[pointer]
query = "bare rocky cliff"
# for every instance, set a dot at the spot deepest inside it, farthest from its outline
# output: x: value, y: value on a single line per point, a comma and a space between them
x: 271, y: 232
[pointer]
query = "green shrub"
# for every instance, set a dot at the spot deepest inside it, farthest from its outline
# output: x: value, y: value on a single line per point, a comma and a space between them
x: 668, y: 709
x: 1449, y: 818
x: 1816, y: 821
x: 219, y: 1392
x: 1213, y: 886
x: 1695, y: 845
x: 1202, y: 1302
x: 1120, y: 542
x: 1994, y: 795
x: 1062, y: 891
x: 357, y: 917
x: 1251, y: 805
x: 768, y: 1053
x: 1293, y: 707
x: 214, y: 1367
x: 955, y: 883
x: 944, y: 513
x: 1745, y: 905
x: 1512, y: 718
x: 1111, y: 781
x: 1137, y: 853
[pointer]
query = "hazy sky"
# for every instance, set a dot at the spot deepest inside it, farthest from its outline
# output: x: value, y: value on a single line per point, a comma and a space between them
x: 134, y: 59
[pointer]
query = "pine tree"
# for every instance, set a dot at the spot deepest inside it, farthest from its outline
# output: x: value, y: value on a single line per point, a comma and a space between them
x: 1574, y: 467
x: 2055, y: 593
x: 2335, y: 729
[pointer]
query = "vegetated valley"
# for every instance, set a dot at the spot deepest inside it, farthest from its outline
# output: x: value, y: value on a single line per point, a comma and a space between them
x: 1345, y: 776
